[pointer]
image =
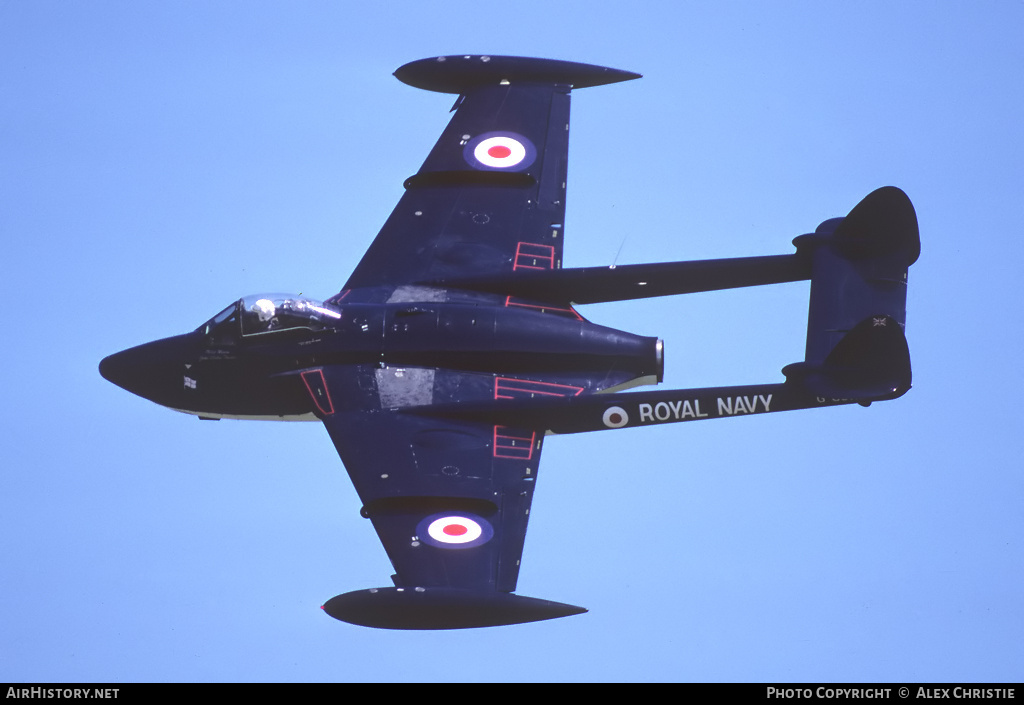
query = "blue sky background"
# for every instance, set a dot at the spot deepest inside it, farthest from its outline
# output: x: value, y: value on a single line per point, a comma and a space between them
x: 159, y: 160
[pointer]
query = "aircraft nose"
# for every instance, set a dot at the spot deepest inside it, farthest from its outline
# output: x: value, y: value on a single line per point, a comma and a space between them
x: 153, y: 370
x: 121, y: 368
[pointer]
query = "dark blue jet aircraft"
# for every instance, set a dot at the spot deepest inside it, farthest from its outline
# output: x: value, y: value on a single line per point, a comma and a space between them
x: 454, y: 347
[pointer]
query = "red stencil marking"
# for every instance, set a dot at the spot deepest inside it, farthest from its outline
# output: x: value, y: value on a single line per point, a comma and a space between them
x: 532, y: 255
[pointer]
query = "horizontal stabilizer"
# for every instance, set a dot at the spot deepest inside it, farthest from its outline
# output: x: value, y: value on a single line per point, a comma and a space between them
x: 441, y: 608
x: 870, y: 363
x: 460, y: 74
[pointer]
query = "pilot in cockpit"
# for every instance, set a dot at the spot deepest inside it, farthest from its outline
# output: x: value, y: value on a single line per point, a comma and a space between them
x: 265, y: 311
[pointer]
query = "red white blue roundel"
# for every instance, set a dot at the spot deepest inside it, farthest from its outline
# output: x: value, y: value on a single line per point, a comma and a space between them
x: 500, y: 151
x: 462, y: 530
x: 615, y: 417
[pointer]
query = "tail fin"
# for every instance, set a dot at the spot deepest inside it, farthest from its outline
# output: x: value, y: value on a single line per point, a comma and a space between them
x: 859, y: 268
x: 856, y: 347
x: 870, y: 363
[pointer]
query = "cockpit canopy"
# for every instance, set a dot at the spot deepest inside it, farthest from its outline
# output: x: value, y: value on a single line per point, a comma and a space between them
x: 262, y: 314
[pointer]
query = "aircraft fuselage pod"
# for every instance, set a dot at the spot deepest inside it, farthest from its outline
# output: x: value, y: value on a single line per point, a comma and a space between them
x: 259, y: 357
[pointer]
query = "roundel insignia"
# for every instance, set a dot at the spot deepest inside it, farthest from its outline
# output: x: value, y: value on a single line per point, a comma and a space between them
x: 454, y: 530
x: 500, y: 151
x: 615, y: 417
